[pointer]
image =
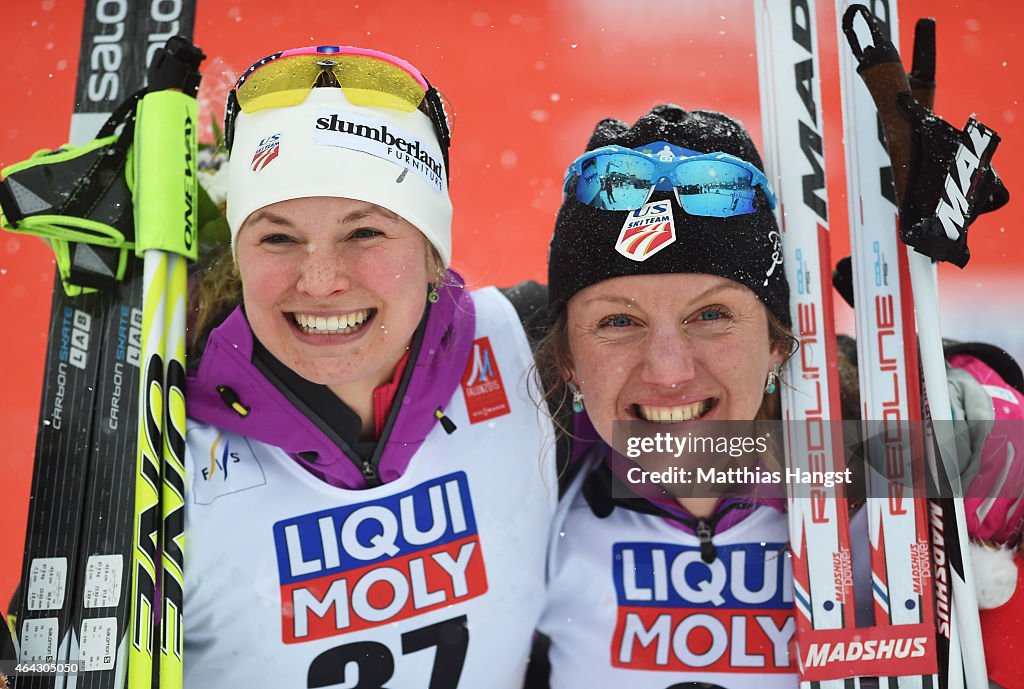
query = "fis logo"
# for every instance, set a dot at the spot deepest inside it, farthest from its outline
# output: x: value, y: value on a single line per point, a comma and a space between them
x: 266, y: 151
x: 647, y: 231
x: 378, y: 562
x: 482, y: 386
x: 221, y: 459
x: 231, y: 466
x: 677, y: 612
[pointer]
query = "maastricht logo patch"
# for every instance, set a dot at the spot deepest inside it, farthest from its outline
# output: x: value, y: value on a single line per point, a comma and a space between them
x: 647, y: 231
x: 352, y: 131
x: 677, y: 612
x: 266, y: 151
x: 482, y: 386
x: 230, y: 467
x: 380, y: 561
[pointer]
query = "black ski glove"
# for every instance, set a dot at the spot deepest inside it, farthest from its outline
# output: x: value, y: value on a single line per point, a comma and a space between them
x: 950, y: 183
x: 943, y: 177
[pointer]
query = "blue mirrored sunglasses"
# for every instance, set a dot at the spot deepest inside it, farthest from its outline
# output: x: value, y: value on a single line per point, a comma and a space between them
x: 717, y: 185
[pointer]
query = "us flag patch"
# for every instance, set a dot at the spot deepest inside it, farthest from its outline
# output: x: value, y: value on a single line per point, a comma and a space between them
x: 266, y: 151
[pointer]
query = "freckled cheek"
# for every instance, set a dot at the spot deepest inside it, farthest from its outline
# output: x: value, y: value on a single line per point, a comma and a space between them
x: 746, y: 375
x: 262, y: 289
x: 603, y: 378
x: 400, y: 274
x: 402, y: 284
x: 266, y: 278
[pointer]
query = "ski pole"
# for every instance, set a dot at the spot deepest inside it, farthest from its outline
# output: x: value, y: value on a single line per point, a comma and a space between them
x: 165, y: 215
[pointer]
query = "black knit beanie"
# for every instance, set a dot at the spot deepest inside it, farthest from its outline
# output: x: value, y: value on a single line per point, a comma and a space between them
x: 743, y: 248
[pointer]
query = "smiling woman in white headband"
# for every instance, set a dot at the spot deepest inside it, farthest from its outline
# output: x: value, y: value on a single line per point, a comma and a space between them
x: 363, y: 440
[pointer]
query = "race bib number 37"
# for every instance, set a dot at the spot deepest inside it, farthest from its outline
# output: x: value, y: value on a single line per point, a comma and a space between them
x: 378, y: 562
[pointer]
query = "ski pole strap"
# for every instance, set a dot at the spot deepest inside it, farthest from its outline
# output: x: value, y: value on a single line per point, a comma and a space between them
x: 879, y: 66
x: 943, y: 177
x: 78, y: 199
x: 83, y: 200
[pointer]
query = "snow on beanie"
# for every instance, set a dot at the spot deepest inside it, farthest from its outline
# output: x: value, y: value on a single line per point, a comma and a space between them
x: 743, y: 248
x: 326, y: 146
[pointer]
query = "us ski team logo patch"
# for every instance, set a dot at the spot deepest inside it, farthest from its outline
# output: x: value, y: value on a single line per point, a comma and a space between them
x: 647, y: 231
x: 482, y: 386
x: 378, y: 562
x: 266, y: 151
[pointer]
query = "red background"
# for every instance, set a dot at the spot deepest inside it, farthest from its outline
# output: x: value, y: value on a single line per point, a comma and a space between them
x: 528, y: 81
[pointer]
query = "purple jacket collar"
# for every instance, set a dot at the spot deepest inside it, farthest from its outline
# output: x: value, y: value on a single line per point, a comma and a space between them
x: 272, y: 419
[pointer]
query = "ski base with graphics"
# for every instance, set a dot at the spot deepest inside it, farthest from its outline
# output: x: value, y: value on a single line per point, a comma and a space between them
x: 73, y: 609
x: 819, y: 514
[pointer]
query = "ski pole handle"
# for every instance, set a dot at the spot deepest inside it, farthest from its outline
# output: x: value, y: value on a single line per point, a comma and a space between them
x: 175, y: 67
x: 922, y: 70
x: 880, y: 67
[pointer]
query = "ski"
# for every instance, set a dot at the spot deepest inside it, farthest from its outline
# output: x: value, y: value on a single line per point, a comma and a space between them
x: 58, y: 483
x: 100, y: 612
x: 897, y: 510
x: 76, y: 604
x: 7, y: 654
x: 67, y: 436
x: 789, y: 69
x: 831, y: 649
x: 887, y: 83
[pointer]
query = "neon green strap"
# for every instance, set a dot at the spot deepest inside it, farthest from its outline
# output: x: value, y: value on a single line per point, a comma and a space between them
x: 66, y: 228
x: 46, y: 156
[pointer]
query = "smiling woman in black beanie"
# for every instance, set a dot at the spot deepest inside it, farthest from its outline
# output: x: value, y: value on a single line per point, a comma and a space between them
x: 668, y: 304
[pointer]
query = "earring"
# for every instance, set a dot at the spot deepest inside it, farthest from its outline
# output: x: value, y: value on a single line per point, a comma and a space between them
x: 773, y: 377
x: 432, y: 295
x: 577, y: 399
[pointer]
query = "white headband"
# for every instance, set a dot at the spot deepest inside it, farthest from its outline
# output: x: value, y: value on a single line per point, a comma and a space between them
x: 326, y: 146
